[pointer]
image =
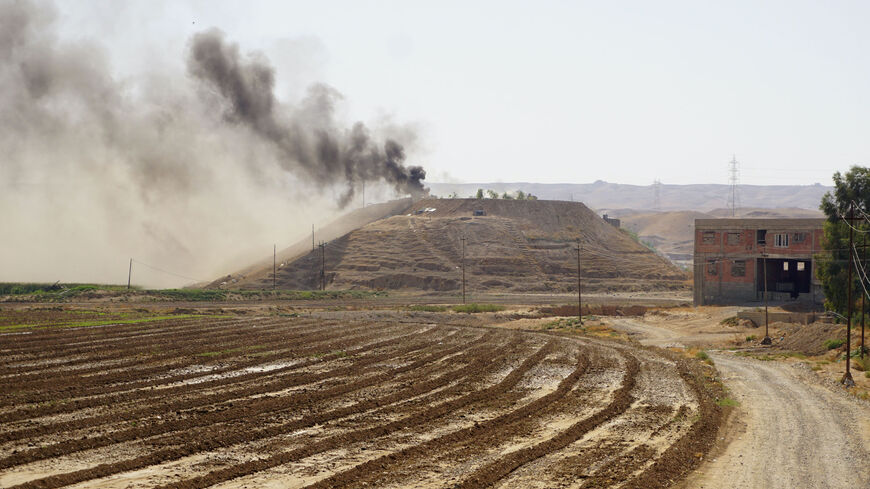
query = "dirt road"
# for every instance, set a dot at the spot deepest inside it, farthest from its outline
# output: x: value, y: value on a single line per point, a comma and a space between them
x: 789, y: 430
x: 794, y: 433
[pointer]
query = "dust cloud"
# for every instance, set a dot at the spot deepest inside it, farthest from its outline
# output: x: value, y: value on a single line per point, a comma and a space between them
x: 195, y: 172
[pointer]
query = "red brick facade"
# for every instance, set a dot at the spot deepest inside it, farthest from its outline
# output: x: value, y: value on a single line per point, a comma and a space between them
x: 729, y: 256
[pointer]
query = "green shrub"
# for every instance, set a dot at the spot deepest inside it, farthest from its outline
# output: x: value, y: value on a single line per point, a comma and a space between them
x: 475, y: 308
x: 427, y: 308
x: 862, y: 364
x: 832, y: 344
x: 193, y: 294
x: 727, y: 402
x: 751, y: 337
x: 704, y: 357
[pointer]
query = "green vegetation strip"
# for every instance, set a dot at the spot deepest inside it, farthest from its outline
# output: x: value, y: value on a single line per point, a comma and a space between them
x: 474, y: 308
x: 59, y: 292
x: 104, y: 322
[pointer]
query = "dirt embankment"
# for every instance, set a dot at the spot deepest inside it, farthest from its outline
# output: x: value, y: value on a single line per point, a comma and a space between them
x: 508, y: 246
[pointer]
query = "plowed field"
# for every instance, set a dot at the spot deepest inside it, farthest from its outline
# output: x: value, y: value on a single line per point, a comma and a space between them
x: 334, y: 400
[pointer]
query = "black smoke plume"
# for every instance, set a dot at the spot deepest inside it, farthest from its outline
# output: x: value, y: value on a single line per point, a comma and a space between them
x: 196, y: 171
x: 309, y: 139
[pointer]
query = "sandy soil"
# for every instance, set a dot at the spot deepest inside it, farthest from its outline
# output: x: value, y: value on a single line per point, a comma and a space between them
x: 791, y: 429
x: 340, y: 399
x: 792, y: 432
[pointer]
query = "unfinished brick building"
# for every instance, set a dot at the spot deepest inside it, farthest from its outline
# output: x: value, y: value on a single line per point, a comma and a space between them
x: 730, y: 256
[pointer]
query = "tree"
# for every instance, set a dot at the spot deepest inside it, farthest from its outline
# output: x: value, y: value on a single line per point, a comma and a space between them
x: 479, y: 194
x: 492, y: 194
x: 531, y: 197
x: 832, y: 267
x: 521, y: 195
x: 453, y: 195
x: 506, y: 196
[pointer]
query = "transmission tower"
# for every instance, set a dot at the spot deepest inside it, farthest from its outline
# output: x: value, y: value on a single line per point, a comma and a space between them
x: 657, y: 195
x: 733, y: 180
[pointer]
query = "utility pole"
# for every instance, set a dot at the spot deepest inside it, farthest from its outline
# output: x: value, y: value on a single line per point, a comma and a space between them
x: 766, y: 340
x: 274, y: 261
x: 863, y: 296
x: 322, y: 266
x: 847, y: 378
x: 130, y: 273
x: 364, y: 193
x: 463, y: 268
x: 312, y: 237
x: 579, y: 288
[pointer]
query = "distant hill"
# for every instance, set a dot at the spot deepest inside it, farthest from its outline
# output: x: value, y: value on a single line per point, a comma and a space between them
x: 702, y: 197
x: 515, y: 246
x: 672, y: 233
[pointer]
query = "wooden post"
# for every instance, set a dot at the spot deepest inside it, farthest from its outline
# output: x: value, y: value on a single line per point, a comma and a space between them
x: 322, y: 266
x: 463, y: 269
x: 579, y: 288
x: 766, y: 340
x: 847, y: 377
x: 129, y: 274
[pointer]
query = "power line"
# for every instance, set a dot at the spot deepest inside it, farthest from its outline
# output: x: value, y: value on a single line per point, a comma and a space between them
x: 133, y: 260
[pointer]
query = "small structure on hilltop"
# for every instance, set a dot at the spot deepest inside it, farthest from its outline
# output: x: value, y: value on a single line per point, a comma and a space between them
x: 737, y: 260
x: 612, y: 221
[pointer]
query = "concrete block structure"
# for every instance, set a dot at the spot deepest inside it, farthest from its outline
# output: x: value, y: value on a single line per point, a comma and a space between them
x: 612, y: 221
x: 730, y: 257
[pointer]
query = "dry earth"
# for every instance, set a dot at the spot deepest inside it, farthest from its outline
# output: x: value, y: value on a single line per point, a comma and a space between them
x: 514, y: 246
x: 338, y: 399
x: 791, y: 429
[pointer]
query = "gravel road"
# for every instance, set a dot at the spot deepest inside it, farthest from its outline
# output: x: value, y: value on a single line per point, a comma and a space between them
x: 789, y: 431
x: 795, y: 433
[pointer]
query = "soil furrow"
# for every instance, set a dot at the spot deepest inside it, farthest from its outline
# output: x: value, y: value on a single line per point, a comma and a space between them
x: 485, y: 429
x: 222, y: 439
x: 139, y: 395
x: 180, y: 339
x: 131, y: 415
x: 240, y: 409
x: 426, y: 415
x: 178, y: 356
x: 489, y: 474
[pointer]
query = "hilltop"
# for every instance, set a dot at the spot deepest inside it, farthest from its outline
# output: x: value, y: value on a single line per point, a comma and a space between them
x: 697, y: 197
x: 516, y: 246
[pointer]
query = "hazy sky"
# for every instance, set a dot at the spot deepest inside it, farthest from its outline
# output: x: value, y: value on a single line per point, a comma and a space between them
x: 552, y: 91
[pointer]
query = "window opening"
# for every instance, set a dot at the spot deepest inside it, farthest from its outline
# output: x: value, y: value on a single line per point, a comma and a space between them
x: 712, y: 268
x: 761, y: 236
x: 780, y: 241
x: 738, y: 268
x: 709, y: 237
